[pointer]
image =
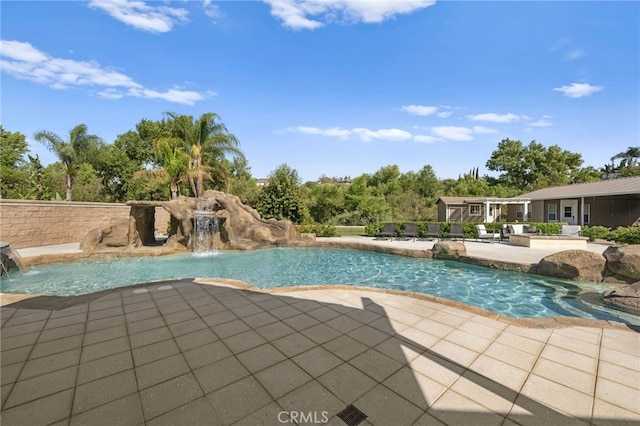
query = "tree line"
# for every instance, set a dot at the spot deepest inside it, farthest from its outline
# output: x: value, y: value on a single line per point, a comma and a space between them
x: 184, y: 155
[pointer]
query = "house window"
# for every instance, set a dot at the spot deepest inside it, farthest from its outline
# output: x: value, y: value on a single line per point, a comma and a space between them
x: 568, y: 212
x: 475, y: 209
x: 519, y: 212
x: 552, y: 211
x: 586, y: 214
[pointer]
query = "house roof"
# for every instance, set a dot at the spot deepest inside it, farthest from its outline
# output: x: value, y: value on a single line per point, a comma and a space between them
x: 451, y: 200
x: 622, y: 186
x: 472, y: 200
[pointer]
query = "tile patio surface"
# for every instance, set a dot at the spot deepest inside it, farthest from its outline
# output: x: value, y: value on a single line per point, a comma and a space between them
x: 184, y: 353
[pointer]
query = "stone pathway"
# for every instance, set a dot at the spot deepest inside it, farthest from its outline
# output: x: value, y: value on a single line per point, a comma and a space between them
x: 183, y: 353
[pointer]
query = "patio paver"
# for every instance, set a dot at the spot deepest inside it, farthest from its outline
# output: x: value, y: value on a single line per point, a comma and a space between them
x: 244, y: 357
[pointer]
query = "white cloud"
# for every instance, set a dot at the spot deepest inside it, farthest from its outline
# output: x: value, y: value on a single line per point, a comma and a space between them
x: 333, y: 131
x: 541, y: 123
x: 110, y: 93
x: 21, y: 51
x: 366, y: 135
x: 483, y: 130
x: 312, y: 14
x: 155, y: 19
x: 210, y: 9
x: 440, y: 111
x: 186, y: 97
x: 495, y: 118
x: 21, y: 60
x: 306, y: 130
x: 453, y: 133
x: 578, y: 90
x: 383, y: 134
x: 419, y: 109
x: 574, y: 54
x: 425, y: 139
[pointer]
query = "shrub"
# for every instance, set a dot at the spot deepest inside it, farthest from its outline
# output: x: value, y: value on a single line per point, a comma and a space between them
x: 626, y: 235
x: 597, y: 233
x: 373, y: 229
x: 548, y: 228
x: 319, y: 229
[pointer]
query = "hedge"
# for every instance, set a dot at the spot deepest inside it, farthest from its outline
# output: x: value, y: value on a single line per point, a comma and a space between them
x: 629, y: 235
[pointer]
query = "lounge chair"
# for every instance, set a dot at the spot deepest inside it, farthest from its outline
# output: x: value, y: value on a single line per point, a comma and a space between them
x: 482, y: 234
x: 388, y: 231
x: 410, y: 231
x: 433, y: 230
x: 457, y: 231
x: 574, y: 230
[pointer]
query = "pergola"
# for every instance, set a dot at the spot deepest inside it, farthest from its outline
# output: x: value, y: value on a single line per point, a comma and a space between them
x: 488, y: 202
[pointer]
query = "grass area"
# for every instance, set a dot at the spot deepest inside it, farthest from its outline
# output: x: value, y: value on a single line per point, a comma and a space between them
x: 349, y: 230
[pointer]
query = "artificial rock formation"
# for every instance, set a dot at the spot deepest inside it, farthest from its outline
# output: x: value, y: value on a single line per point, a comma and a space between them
x: 623, y: 262
x: 116, y: 234
x: 240, y: 226
x: 625, y: 297
x: 452, y: 250
x: 577, y: 265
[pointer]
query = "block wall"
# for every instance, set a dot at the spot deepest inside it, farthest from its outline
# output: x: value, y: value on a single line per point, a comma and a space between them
x: 42, y: 223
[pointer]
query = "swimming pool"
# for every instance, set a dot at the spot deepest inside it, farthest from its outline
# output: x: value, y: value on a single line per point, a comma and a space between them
x: 509, y: 293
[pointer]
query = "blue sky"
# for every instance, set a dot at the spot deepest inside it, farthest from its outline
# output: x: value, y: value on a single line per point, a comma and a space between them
x: 334, y: 87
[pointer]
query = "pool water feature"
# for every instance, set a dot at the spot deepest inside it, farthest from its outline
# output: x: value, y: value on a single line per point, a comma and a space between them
x: 512, y: 294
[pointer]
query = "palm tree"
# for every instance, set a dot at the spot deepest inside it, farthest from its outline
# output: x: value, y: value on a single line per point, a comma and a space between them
x: 175, y: 163
x: 207, y: 141
x: 629, y: 157
x: 71, y: 153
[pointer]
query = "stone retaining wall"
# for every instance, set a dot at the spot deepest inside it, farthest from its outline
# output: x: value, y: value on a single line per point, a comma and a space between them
x: 39, y: 223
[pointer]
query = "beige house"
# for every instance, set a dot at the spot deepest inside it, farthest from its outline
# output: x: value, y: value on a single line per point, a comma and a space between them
x: 481, y: 210
x: 609, y: 203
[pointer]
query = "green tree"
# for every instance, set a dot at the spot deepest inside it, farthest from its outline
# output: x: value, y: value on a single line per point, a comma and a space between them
x: 36, y: 188
x: 13, y: 146
x: 586, y: 174
x: 427, y: 183
x: 115, y: 169
x: 365, y: 207
x: 385, y: 180
x: 207, y: 141
x: 148, y: 185
x: 87, y: 186
x: 175, y: 165
x: 72, y: 153
x: 325, y: 201
x: 282, y: 197
x: 533, y: 166
x: 131, y: 152
x: 241, y: 182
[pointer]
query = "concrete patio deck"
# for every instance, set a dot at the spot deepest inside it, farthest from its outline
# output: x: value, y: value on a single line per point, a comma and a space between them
x: 196, y: 353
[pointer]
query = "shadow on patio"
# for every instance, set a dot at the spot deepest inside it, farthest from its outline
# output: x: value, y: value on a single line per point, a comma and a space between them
x: 180, y: 352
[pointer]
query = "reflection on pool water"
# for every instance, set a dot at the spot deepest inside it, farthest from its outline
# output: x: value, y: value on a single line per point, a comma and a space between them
x: 513, y: 294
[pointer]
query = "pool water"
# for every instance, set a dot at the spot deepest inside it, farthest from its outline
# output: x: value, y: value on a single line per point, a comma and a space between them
x: 509, y: 293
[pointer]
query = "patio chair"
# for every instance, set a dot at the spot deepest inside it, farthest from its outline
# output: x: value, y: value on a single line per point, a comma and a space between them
x: 574, y: 230
x: 433, y: 230
x: 457, y: 231
x: 410, y: 231
x: 506, y: 231
x: 388, y: 231
x: 482, y: 234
